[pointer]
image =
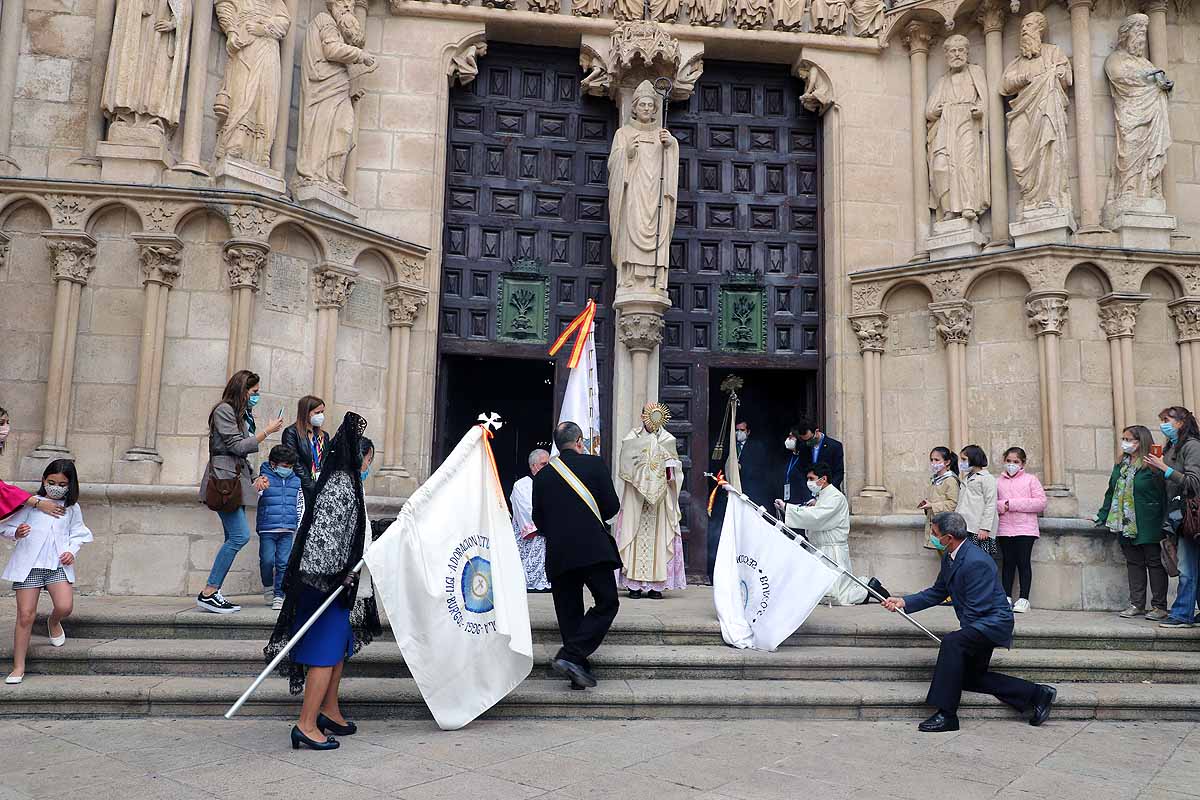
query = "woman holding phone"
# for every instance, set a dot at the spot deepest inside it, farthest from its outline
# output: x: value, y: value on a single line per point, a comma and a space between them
x: 1180, y: 467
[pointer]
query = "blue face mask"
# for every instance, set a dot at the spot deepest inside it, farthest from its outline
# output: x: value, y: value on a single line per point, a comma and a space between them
x: 284, y: 472
x: 252, y: 400
x: 365, y: 473
x: 1168, y: 430
x: 933, y: 540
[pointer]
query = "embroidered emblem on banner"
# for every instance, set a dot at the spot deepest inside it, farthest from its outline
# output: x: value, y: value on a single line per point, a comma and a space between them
x: 755, y: 586
x: 468, y: 586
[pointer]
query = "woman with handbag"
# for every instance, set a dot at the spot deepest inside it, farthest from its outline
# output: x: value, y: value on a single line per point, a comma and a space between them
x: 1133, y: 509
x: 226, y: 486
x: 1180, y: 466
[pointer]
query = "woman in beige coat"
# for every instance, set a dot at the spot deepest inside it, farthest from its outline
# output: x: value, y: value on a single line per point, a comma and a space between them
x: 977, y: 499
x: 942, y: 494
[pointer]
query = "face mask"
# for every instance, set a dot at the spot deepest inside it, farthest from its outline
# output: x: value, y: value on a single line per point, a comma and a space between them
x: 935, y: 467
x: 1168, y: 430
x: 1128, y: 447
x: 285, y: 472
x: 933, y: 540
x: 789, y: 443
x: 742, y: 436
x: 4, y: 429
x: 1012, y: 469
x: 55, y: 492
x: 814, y: 487
x: 252, y: 400
x: 316, y: 420
x: 964, y: 466
x: 365, y: 473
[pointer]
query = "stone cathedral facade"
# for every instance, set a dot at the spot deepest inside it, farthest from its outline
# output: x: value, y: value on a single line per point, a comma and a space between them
x: 934, y: 222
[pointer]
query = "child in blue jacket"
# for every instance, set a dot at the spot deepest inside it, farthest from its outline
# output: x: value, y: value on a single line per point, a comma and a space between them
x: 277, y: 521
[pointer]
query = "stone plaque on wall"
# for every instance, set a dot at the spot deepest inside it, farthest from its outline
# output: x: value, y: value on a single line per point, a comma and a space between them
x: 364, y: 309
x: 286, y: 284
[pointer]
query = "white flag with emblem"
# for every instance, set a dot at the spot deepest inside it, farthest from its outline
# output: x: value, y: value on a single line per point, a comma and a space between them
x: 581, y: 402
x: 764, y: 584
x: 450, y: 577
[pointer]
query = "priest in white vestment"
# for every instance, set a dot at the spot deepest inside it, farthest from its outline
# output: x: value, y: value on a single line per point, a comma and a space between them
x: 531, y: 546
x: 826, y: 521
x: 647, y: 529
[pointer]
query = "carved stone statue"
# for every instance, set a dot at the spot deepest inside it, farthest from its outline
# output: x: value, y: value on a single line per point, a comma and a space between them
x: 750, y: 14
x: 1139, y: 93
x: 587, y: 8
x: 789, y: 14
x: 660, y: 10
x: 247, y: 102
x: 1037, y: 80
x: 143, y: 84
x: 957, y: 141
x: 327, y: 131
x: 867, y: 16
x: 707, y: 12
x: 828, y: 16
x: 643, y: 168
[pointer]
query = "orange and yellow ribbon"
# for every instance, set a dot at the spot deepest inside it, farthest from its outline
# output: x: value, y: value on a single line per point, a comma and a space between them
x: 712, y: 498
x: 581, y: 325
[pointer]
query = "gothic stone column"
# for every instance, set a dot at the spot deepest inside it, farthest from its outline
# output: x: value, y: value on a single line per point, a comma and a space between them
x: 72, y: 258
x: 1157, y: 11
x: 918, y: 36
x: 640, y: 334
x: 1118, y: 318
x: 1186, y: 313
x: 332, y: 287
x: 12, y: 14
x: 1085, y: 124
x: 160, y: 257
x: 244, y: 260
x: 954, y: 320
x: 1047, y: 312
x: 403, y: 304
x: 992, y: 14
x: 197, y: 84
x: 871, y: 330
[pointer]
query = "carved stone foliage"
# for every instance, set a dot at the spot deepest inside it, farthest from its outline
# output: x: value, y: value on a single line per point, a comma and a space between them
x: 160, y: 262
x: 157, y: 216
x: 244, y: 262
x: 403, y: 305
x: 953, y: 321
x: 948, y: 285
x: 1119, y: 318
x: 72, y: 259
x: 640, y: 331
x: 1191, y: 280
x: 1047, y: 314
x: 866, y: 297
x: 251, y: 222
x: 68, y: 209
x: 343, y: 251
x: 1186, y: 314
x: 464, y: 64
x: 411, y: 270
x: 332, y: 288
x: 871, y: 332
x: 642, y: 41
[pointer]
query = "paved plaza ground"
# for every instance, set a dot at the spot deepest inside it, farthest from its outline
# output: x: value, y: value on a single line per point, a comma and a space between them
x: 163, y: 759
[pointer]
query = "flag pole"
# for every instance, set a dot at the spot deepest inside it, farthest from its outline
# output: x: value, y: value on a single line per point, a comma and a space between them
x: 818, y: 552
x: 291, y: 643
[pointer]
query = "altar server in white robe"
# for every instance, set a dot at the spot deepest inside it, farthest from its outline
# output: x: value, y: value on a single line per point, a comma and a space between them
x: 826, y: 521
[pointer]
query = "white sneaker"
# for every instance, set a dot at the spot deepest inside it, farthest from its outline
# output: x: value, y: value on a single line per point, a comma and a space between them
x: 1021, y: 606
x: 277, y: 604
x: 269, y: 595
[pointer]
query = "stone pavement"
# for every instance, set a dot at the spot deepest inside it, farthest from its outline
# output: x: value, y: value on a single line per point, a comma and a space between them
x: 163, y: 759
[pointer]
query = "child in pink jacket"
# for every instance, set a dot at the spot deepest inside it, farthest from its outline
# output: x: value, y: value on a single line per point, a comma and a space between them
x: 1019, y: 500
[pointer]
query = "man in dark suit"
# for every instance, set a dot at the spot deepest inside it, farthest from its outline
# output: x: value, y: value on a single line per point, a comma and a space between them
x: 969, y: 577
x: 572, y: 500
x: 754, y: 471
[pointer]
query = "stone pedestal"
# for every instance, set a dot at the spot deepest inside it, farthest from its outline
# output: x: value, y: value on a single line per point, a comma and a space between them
x: 873, y: 502
x: 234, y: 173
x: 1043, y: 226
x: 138, y: 466
x: 955, y: 238
x: 1145, y: 231
x: 35, y: 463
x: 127, y: 162
x: 325, y: 200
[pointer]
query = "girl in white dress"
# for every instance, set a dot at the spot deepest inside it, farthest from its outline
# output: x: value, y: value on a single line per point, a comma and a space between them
x: 44, y: 557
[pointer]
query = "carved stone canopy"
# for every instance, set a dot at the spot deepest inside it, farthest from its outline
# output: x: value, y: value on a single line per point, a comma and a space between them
x: 1047, y: 312
x: 871, y: 331
x: 636, y: 51
x: 403, y: 304
x: 640, y: 331
x: 72, y: 255
x: 1118, y: 314
x: 244, y: 261
x: 160, y: 255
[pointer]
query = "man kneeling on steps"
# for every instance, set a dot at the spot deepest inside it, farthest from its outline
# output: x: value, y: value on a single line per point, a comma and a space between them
x: 969, y: 578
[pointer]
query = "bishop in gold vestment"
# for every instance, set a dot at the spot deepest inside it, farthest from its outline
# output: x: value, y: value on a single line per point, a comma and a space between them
x: 647, y: 528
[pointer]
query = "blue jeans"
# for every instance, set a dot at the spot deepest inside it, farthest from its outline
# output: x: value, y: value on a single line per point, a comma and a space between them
x: 274, y: 550
x: 237, y: 533
x: 1189, y: 572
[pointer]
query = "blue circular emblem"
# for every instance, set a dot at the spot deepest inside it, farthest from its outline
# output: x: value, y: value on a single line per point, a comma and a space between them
x: 745, y: 594
x: 477, y: 585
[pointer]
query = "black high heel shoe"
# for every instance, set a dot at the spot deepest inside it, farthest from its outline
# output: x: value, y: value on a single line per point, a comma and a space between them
x: 298, y: 738
x: 329, y: 726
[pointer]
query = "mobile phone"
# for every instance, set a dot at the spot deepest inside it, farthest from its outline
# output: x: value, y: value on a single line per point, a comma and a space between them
x: 280, y: 412
x: 1156, y: 450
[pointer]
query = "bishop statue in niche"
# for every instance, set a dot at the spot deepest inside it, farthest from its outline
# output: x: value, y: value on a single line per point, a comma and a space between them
x: 643, y: 186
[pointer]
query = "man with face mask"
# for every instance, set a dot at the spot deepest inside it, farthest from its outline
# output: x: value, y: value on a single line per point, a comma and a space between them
x: 807, y: 445
x: 970, y: 578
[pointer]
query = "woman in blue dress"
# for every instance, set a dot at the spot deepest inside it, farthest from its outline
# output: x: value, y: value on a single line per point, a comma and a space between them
x: 328, y: 545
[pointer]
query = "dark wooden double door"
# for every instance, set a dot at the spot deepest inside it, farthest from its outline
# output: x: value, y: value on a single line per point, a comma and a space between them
x: 526, y: 184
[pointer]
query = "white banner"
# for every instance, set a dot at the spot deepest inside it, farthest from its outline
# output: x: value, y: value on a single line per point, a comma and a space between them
x: 764, y: 584
x: 581, y: 402
x: 449, y: 575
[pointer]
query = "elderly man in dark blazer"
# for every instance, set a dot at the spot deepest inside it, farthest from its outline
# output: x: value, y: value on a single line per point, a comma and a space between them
x: 573, y: 499
x: 968, y: 576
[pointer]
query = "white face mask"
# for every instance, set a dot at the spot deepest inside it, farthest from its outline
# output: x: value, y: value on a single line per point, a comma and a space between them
x: 936, y: 466
x: 4, y: 429
x: 55, y: 492
x: 1012, y: 469
x: 964, y: 467
x: 742, y: 435
x: 814, y: 487
x: 1128, y: 447
x: 789, y: 443
x: 316, y: 420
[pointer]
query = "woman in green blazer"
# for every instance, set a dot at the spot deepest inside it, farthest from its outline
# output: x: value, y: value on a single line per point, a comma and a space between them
x: 1133, y: 508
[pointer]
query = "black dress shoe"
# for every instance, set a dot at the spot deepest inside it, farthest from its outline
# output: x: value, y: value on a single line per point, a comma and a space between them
x: 939, y: 723
x: 878, y: 587
x: 654, y: 594
x: 298, y: 738
x: 573, y: 672
x: 1042, y: 704
x: 329, y: 726
x: 635, y: 594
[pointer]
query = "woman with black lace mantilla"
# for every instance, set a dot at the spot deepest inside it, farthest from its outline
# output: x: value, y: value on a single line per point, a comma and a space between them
x: 329, y: 544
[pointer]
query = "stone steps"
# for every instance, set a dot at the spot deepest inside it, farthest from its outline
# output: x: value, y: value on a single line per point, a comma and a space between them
x: 243, y: 658
x: 397, y: 698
